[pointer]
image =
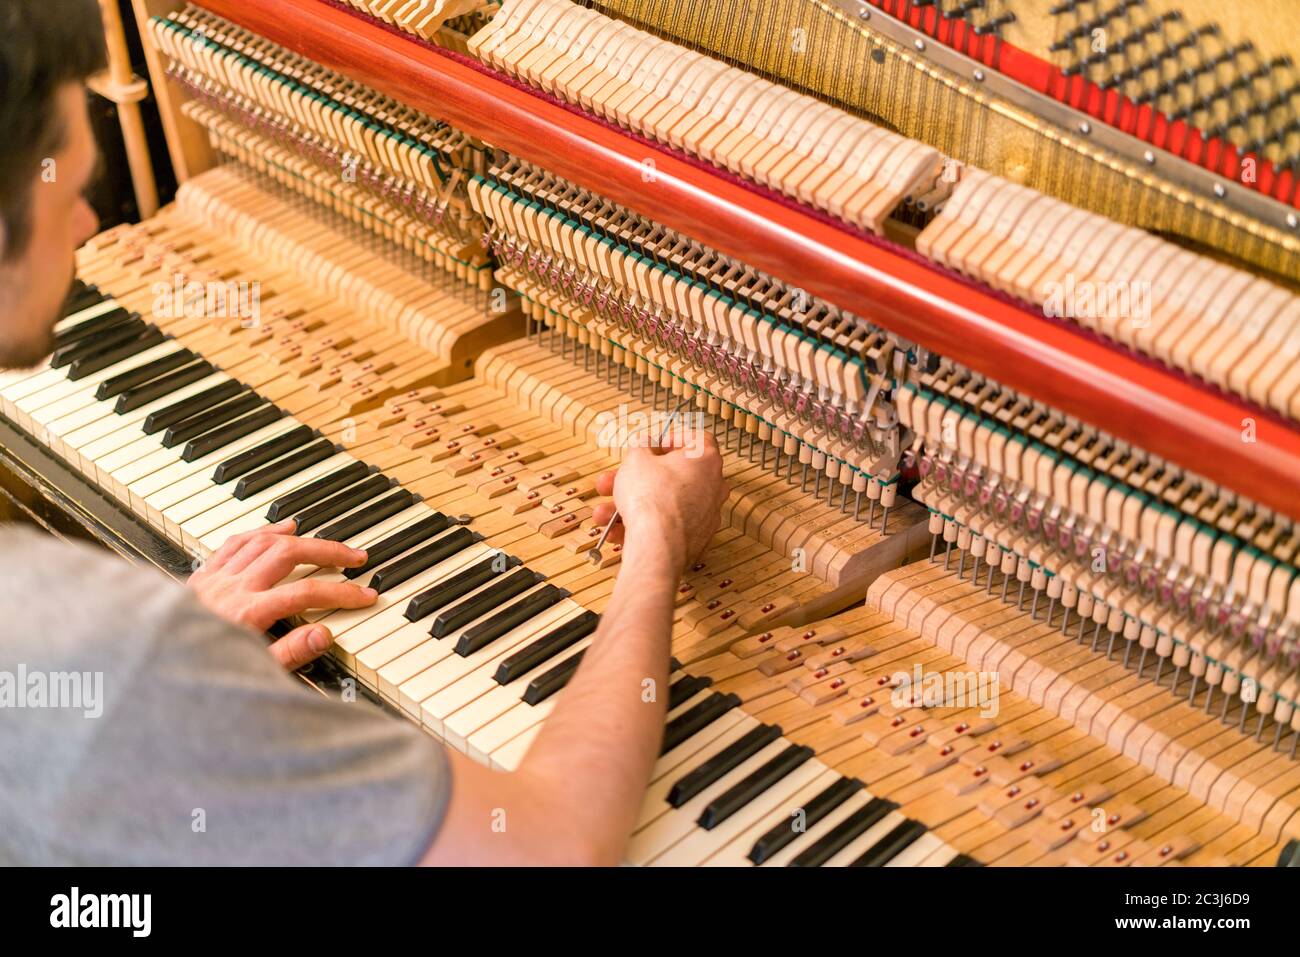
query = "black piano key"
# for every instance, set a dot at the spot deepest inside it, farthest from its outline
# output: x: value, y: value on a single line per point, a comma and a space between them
x: 192, y: 405
x: 462, y: 583
x: 482, y: 602
x: 314, y: 491
x: 548, y: 646
x: 400, y: 541
x: 91, y: 327
x: 81, y: 297
x: 369, y: 517
x: 701, y: 716
x: 754, y: 784
x: 312, y: 518
x: 891, y: 845
x: 546, y: 684
x: 283, y: 468
x: 109, y: 338
x: 259, y: 455
x: 849, y: 829
x: 119, y: 383
x: 132, y: 399
x: 682, y: 691
x: 209, y: 419
x: 778, y: 837
x: 424, y: 557
x: 962, y: 860
x: 485, y: 632
x: 89, y: 365
x: 725, y: 761
x: 218, y: 439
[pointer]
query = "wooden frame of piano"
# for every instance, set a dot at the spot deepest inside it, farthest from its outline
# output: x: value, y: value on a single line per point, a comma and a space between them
x: 1169, y: 415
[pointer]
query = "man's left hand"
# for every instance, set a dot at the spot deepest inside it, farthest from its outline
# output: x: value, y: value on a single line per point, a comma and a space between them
x: 242, y: 583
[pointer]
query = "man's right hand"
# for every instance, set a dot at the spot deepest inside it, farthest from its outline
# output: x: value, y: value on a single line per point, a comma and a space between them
x: 669, y: 497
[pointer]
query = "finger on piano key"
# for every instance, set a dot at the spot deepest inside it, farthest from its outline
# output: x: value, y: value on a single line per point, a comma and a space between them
x: 387, y: 611
x: 413, y: 515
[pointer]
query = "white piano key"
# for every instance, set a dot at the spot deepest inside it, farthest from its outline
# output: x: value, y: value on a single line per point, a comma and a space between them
x: 736, y: 852
x: 94, y: 423
x: 819, y: 830
x: 392, y: 603
x: 866, y: 840
x: 916, y: 852
x: 192, y: 501
x: 479, y: 699
x: 940, y: 857
x: 155, y: 471
x: 655, y: 801
x: 389, y: 526
x: 452, y: 667
x: 213, y: 527
x: 700, y: 844
x: 656, y: 836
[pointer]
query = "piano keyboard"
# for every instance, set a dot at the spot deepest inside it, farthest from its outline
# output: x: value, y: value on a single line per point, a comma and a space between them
x: 467, y: 638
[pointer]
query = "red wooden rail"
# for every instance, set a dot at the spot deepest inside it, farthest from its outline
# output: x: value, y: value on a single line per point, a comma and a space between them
x: 1157, y: 410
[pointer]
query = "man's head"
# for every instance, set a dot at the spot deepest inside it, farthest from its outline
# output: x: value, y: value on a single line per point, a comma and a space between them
x: 47, y: 158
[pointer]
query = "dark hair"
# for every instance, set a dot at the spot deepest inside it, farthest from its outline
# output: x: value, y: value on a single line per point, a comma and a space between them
x: 44, y: 44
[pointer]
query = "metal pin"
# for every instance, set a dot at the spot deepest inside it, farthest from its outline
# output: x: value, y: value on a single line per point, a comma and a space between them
x: 975, y: 574
x: 1006, y: 580
x: 1033, y: 608
x: 1020, y: 598
x: 1160, y: 664
x: 1178, y: 676
x: 961, y: 566
x: 1127, y: 652
x: 1142, y: 662
x: 1051, y: 611
x: 1209, y: 696
x: 1065, y: 620
x: 934, y: 545
x: 1110, y: 647
x: 947, y: 554
x: 1196, y: 684
x: 1223, y: 712
x: 1277, y: 735
x: 884, y: 521
x: 857, y: 507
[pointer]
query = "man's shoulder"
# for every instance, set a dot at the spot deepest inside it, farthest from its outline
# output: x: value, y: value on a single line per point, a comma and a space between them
x: 63, y: 600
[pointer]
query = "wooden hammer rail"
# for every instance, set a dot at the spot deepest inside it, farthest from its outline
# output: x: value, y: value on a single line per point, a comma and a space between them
x: 1134, y: 400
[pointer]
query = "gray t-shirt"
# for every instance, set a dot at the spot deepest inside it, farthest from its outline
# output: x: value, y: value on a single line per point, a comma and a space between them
x: 137, y: 728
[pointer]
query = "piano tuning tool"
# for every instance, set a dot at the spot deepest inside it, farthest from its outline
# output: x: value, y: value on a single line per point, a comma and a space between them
x: 1071, y: 650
